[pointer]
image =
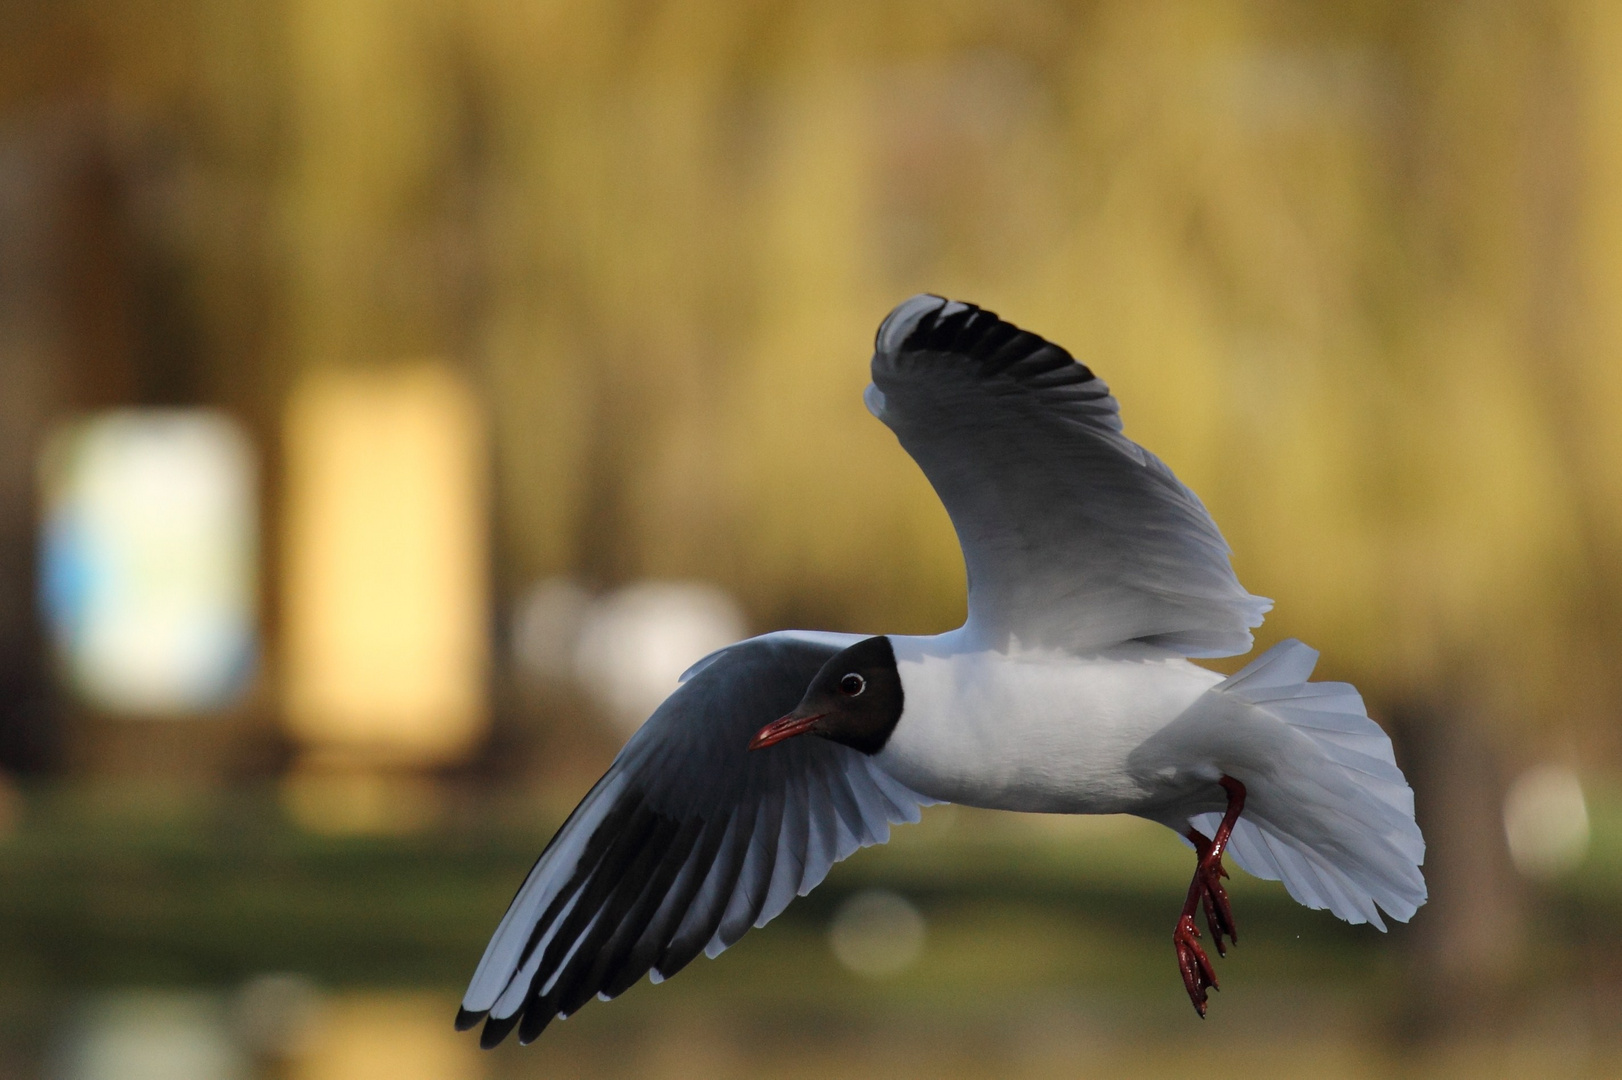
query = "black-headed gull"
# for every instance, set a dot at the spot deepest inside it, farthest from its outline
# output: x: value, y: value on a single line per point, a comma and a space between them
x: 1093, y: 576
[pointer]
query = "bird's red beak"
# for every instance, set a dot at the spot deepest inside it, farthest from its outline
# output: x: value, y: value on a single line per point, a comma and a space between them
x: 784, y: 728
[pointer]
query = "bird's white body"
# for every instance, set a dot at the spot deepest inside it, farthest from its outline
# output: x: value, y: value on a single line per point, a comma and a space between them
x: 1140, y: 730
x: 1041, y: 731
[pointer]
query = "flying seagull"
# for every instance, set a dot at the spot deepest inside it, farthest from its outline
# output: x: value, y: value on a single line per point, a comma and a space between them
x: 1094, y: 575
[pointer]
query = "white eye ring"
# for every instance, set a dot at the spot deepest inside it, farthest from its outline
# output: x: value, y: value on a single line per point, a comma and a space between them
x: 852, y: 685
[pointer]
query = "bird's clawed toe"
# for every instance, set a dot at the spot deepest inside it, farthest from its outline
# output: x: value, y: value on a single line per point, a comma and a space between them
x: 1208, y: 875
x: 1198, y: 974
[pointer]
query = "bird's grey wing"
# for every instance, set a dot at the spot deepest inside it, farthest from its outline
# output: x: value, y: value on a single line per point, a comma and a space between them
x: 1075, y: 537
x: 686, y: 842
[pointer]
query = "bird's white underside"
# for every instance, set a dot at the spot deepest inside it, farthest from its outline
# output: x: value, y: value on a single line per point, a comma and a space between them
x: 1040, y: 731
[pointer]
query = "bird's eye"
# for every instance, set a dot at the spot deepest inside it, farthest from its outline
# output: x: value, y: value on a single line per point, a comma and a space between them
x: 852, y: 685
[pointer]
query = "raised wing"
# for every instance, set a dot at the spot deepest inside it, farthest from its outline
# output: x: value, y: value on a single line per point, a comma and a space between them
x: 1075, y: 537
x: 686, y: 842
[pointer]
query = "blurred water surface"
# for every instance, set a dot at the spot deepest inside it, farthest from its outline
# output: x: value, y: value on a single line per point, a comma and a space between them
x: 215, y: 939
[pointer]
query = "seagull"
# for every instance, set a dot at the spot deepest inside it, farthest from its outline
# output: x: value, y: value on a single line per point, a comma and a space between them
x: 1094, y: 577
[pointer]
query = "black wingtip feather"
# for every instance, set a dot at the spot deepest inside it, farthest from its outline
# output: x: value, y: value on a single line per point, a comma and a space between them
x: 536, y: 1018
x: 996, y: 345
x: 998, y: 336
x: 495, y: 1030
x: 685, y: 947
x: 649, y: 951
x: 601, y: 842
x: 620, y: 962
x: 956, y: 330
x: 622, y: 852
x: 583, y: 978
x: 467, y: 1019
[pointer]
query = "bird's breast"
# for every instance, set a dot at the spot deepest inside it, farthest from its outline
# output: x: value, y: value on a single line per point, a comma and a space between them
x: 1045, y: 733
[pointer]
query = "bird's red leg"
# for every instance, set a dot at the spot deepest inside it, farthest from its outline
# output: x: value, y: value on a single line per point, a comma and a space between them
x: 1206, y: 890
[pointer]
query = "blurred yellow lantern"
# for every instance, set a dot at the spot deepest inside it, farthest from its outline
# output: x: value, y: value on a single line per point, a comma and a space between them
x: 385, y: 626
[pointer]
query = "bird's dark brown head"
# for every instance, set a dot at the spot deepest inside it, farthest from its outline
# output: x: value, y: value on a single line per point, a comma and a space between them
x: 854, y: 700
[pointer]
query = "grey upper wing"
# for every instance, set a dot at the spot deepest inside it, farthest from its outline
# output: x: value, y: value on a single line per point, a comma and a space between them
x: 686, y: 842
x: 1074, y: 536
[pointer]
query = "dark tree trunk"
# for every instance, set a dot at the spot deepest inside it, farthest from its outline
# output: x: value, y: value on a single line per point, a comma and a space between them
x: 1466, y: 944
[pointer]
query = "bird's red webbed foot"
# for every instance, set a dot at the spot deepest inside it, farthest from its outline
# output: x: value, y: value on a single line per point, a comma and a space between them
x: 1206, y: 891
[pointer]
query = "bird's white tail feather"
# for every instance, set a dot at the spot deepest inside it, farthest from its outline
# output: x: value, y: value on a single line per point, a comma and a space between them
x: 1334, y: 820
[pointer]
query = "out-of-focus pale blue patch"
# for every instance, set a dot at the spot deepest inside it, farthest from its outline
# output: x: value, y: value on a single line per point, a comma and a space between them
x: 148, y: 559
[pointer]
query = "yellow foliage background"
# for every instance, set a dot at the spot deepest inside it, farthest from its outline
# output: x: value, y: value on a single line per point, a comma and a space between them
x: 1354, y: 269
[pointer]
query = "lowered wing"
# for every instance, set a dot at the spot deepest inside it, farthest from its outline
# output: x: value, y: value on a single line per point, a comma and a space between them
x: 686, y: 842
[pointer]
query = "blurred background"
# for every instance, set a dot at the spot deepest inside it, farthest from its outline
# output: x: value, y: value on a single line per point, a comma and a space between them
x: 395, y: 396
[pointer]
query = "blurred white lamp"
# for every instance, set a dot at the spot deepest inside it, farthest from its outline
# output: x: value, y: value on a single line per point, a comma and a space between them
x: 877, y: 933
x: 149, y: 559
x: 152, y: 1035
x: 635, y: 643
x: 546, y: 625
x: 1546, y: 821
